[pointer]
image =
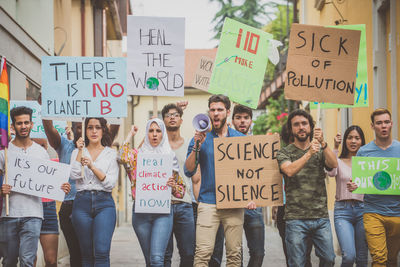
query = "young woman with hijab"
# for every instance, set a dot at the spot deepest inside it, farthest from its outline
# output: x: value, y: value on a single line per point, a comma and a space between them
x: 348, y: 212
x: 152, y: 229
x: 93, y: 213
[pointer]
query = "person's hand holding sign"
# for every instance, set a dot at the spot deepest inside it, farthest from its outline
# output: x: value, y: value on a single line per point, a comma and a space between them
x: 66, y: 187
x: 314, y: 147
x: 337, y: 140
x: 5, y: 189
x: 319, y: 135
x: 351, y: 186
x: 251, y: 205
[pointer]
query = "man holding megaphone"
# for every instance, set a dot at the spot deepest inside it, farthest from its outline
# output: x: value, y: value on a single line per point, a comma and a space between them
x: 209, y: 217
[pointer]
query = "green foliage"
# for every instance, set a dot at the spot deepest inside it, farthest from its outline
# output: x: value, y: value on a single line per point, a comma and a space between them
x: 279, y: 28
x: 269, y: 122
x: 251, y: 12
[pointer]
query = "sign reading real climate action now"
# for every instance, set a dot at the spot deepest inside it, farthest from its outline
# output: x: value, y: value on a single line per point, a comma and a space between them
x: 246, y: 170
x: 379, y: 176
x: 153, y: 195
x: 322, y: 64
x: 76, y: 87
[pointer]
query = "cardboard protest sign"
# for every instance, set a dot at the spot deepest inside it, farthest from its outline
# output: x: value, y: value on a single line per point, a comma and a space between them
x: 246, y: 170
x: 240, y: 63
x: 153, y: 195
x: 37, y: 177
x: 38, y: 130
x: 84, y: 87
x: 379, y: 176
x: 156, y: 56
x: 361, y: 98
x: 322, y: 64
x: 203, y: 74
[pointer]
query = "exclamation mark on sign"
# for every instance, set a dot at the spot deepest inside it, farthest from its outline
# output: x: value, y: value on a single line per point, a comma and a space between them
x: 365, y: 93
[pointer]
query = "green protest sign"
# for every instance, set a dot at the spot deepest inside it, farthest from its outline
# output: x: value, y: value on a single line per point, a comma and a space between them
x: 240, y: 63
x: 376, y: 175
x: 361, y: 90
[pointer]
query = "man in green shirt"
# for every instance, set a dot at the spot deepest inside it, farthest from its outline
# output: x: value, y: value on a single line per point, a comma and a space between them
x: 303, y: 165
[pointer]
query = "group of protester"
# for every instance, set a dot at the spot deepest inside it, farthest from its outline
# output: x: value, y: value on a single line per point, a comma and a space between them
x: 88, y: 216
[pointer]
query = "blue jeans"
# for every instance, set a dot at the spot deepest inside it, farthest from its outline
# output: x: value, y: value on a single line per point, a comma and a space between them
x: 153, y: 232
x: 184, y: 231
x: 255, y: 234
x: 350, y: 232
x: 19, y: 237
x: 93, y: 218
x: 319, y: 231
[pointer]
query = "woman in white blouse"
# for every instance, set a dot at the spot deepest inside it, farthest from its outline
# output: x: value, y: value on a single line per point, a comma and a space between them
x: 94, y: 214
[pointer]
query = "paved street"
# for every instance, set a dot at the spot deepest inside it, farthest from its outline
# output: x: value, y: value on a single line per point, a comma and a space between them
x: 125, y: 250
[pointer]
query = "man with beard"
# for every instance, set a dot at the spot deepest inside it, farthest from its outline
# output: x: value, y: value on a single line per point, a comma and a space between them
x: 253, y: 219
x: 183, y: 226
x: 64, y: 147
x: 381, y: 212
x: 209, y: 218
x: 20, y: 230
x: 303, y: 165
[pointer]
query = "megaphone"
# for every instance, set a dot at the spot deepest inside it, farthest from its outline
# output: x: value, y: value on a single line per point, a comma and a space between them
x: 201, y: 123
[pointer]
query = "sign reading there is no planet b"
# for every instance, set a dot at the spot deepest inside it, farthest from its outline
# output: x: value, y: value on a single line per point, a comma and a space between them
x: 76, y: 87
x: 322, y: 64
x: 156, y: 56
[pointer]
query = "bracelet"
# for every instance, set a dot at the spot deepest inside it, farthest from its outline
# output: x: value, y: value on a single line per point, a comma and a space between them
x: 196, y: 150
x: 323, y: 147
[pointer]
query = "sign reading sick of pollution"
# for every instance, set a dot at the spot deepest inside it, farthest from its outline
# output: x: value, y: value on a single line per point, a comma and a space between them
x: 246, y: 170
x: 322, y: 64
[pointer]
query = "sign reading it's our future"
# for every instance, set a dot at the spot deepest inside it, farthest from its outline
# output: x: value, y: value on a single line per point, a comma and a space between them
x: 322, y: 64
x: 156, y: 56
x: 246, y: 170
x: 379, y: 176
x: 153, y: 195
x: 76, y: 87
x: 37, y: 177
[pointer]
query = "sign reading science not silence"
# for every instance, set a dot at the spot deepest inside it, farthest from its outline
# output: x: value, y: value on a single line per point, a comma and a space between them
x: 322, y: 64
x: 246, y: 170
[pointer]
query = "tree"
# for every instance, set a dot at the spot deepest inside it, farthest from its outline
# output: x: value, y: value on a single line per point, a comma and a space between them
x: 252, y: 12
x: 275, y: 117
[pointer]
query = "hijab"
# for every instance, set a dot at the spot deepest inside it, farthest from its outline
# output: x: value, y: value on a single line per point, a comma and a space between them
x: 163, y: 147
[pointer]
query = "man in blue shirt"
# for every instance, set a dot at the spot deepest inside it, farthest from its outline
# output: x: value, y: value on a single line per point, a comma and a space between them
x: 209, y: 217
x: 381, y: 212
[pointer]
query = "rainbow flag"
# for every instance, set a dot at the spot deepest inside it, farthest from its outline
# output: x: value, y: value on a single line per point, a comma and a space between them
x: 4, y: 104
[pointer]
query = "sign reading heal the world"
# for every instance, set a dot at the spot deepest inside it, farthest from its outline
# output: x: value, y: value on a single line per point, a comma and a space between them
x: 76, y: 87
x: 37, y: 177
x: 156, y: 56
x: 322, y: 64
x: 379, y: 176
x: 38, y: 130
x: 153, y: 195
x: 246, y: 170
x: 240, y: 63
x: 361, y: 96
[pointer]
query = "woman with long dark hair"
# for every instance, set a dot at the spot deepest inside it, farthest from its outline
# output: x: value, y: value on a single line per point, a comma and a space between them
x: 348, y: 213
x: 152, y: 229
x: 94, y: 214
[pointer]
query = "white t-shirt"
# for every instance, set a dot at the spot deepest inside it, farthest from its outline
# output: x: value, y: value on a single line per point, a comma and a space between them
x: 22, y: 205
x: 180, y: 154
